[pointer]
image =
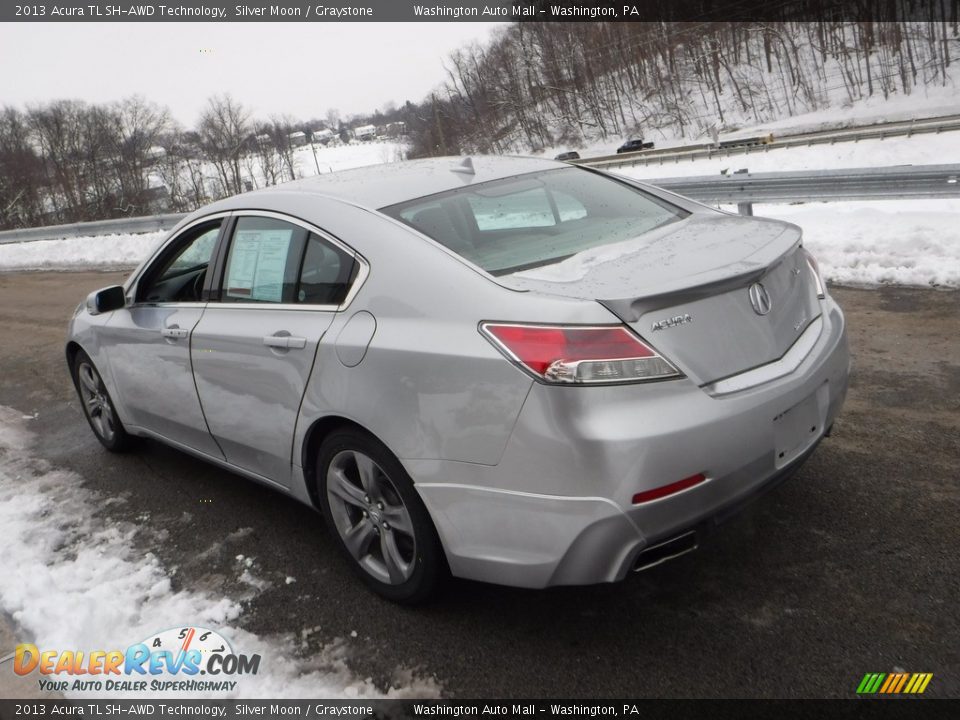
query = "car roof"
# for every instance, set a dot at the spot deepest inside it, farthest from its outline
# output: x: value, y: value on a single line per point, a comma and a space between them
x: 379, y: 186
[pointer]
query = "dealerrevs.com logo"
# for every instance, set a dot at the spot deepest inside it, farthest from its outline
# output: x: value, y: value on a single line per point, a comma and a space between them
x: 188, y: 659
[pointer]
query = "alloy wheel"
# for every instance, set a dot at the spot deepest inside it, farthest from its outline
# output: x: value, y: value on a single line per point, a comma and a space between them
x: 96, y: 403
x: 371, y: 517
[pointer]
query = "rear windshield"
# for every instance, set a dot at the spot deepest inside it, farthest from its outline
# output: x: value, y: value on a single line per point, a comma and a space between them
x: 528, y: 221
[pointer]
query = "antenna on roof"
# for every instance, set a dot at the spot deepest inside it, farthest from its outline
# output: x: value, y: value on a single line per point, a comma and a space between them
x: 466, y: 167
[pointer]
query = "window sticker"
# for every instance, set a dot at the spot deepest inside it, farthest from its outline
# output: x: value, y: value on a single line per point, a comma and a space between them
x: 258, y: 260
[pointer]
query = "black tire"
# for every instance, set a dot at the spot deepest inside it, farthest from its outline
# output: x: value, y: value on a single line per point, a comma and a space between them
x: 98, y: 406
x: 403, y: 563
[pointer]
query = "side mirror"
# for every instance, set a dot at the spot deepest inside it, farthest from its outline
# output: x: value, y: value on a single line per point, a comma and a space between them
x: 106, y: 300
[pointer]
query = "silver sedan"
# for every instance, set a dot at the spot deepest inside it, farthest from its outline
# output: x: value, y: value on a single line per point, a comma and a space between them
x: 512, y: 370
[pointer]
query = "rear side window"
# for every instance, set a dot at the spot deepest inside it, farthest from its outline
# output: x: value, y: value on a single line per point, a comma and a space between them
x: 327, y: 273
x: 273, y: 261
x: 263, y: 262
x: 537, y: 219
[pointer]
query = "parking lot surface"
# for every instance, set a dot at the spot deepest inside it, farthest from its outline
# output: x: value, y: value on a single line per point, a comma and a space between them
x: 850, y: 567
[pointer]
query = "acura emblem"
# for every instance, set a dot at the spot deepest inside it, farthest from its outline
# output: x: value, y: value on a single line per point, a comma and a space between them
x: 760, y: 299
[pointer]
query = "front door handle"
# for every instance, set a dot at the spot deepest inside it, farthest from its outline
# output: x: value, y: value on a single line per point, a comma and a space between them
x: 286, y: 342
x: 175, y: 332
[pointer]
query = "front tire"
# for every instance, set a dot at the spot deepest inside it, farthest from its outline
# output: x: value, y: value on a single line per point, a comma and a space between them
x: 379, y: 519
x: 98, y: 406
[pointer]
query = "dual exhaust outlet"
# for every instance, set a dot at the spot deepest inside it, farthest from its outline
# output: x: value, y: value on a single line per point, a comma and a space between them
x: 666, y: 550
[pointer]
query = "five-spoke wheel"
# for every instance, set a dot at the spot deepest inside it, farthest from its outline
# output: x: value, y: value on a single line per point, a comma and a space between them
x: 97, y: 405
x: 378, y: 516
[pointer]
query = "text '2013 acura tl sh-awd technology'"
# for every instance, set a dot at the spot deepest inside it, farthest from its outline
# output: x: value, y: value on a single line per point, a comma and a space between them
x: 510, y: 369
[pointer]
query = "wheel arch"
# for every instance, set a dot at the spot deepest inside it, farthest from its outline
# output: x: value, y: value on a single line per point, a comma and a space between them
x: 319, y: 431
x: 71, y: 350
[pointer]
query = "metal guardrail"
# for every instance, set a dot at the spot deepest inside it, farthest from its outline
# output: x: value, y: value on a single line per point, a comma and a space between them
x: 144, y: 224
x: 701, y: 151
x: 905, y: 182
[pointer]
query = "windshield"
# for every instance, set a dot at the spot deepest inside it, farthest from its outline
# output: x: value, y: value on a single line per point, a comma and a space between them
x: 528, y: 221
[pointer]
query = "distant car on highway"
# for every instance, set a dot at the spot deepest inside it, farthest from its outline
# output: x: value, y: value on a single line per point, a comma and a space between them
x: 569, y: 155
x: 512, y: 369
x: 634, y: 145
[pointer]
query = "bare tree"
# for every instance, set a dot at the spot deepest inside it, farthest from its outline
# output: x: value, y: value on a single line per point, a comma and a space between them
x: 224, y: 131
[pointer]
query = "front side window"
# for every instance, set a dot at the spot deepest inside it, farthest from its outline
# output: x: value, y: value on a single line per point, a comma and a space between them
x: 537, y: 219
x: 179, y: 272
x: 273, y: 261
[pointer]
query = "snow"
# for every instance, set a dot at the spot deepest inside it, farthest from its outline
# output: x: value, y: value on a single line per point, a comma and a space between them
x: 836, y: 111
x: 74, y: 580
x: 909, y: 242
x: 104, y: 251
x: 345, y: 157
x: 927, y: 149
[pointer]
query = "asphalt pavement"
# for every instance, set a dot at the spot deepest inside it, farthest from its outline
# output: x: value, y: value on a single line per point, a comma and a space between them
x: 850, y: 567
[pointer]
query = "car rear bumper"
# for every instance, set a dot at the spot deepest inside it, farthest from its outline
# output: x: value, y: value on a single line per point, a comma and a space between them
x: 557, y: 509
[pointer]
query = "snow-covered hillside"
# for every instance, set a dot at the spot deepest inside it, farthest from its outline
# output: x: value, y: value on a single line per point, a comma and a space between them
x: 924, y: 102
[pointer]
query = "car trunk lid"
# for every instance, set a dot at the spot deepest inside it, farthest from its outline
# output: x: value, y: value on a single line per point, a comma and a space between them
x: 686, y: 289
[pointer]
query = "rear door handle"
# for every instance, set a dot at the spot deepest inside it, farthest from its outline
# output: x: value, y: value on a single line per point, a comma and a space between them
x: 175, y: 332
x: 286, y: 342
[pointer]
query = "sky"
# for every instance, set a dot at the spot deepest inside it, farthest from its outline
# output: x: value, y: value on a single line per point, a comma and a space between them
x: 300, y: 69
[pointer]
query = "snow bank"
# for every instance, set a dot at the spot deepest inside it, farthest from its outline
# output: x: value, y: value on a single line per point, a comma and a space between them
x: 74, y: 580
x: 910, y: 242
x: 104, y: 251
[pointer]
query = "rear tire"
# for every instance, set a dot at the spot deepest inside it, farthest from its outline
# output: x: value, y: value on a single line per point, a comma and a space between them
x: 98, y: 406
x: 380, y: 522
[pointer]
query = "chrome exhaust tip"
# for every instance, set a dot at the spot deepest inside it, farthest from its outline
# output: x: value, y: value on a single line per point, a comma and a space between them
x: 666, y: 550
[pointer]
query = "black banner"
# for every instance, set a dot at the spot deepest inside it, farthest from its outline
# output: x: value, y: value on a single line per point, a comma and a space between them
x: 477, y: 11
x: 862, y: 709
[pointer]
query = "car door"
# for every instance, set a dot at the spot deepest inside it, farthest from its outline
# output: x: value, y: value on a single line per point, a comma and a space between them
x: 149, y: 340
x: 254, y: 349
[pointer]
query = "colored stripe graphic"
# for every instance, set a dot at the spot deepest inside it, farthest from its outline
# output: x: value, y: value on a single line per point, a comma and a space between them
x: 901, y: 682
x: 890, y: 679
x: 894, y: 683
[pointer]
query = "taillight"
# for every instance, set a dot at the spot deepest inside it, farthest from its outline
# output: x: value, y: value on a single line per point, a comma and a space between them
x: 571, y: 354
x: 815, y: 269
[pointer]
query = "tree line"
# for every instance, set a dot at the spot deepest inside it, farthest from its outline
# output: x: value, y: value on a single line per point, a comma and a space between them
x: 532, y: 86
x: 72, y: 161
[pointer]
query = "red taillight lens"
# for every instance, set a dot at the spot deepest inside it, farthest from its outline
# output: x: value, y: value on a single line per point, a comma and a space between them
x: 580, y: 354
x: 670, y: 489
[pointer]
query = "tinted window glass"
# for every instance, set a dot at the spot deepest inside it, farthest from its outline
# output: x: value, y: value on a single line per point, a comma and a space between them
x: 326, y: 275
x: 272, y: 261
x: 196, y: 253
x: 264, y: 261
x: 524, y: 209
x: 178, y: 274
x: 509, y: 225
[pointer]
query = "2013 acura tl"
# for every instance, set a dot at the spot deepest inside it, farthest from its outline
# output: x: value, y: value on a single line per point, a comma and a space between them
x: 513, y: 369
